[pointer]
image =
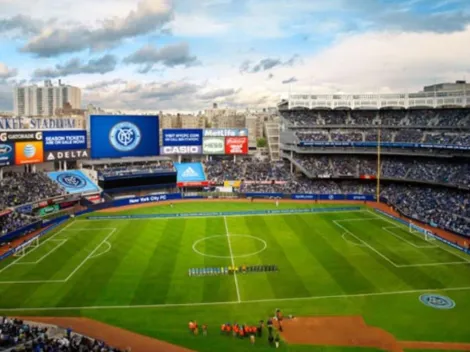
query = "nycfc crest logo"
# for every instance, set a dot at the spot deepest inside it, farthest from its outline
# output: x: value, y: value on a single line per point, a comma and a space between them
x: 437, y: 301
x: 125, y: 136
x: 71, y: 181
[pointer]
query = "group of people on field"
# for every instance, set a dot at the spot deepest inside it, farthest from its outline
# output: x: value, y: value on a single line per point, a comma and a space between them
x: 243, y: 331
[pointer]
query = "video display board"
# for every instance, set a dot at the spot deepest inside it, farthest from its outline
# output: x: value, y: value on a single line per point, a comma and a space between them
x: 64, y: 140
x: 214, y: 145
x: 117, y: 136
x: 182, y: 137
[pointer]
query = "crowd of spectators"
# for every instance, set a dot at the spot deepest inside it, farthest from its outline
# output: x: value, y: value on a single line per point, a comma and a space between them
x: 427, y: 170
x: 13, y: 220
x: 22, y: 188
x: 386, y: 135
x: 421, y: 118
x: 130, y: 168
x: 18, y: 335
x: 443, y: 207
x: 246, y: 169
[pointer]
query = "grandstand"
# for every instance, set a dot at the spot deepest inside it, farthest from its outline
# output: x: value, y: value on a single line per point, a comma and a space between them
x: 375, y: 201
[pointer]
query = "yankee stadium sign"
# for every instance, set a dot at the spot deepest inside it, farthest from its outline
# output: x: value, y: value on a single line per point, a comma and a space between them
x: 23, y: 123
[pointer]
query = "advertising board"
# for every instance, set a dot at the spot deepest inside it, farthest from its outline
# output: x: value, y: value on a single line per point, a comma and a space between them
x: 64, y: 140
x: 213, y: 145
x: 117, y: 136
x: 21, y: 136
x: 28, y: 153
x: 73, y: 181
x: 67, y: 155
x: 182, y: 137
x: 7, y: 153
x: 236, y: 145
x: 225, y: 132
x: 181, y: 150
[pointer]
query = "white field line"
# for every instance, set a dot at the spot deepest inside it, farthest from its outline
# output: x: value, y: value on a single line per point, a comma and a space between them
x: 432, y: 264
x: 388, y: 229
x: 231, y: 257
x: 90, y: 255
x: 366, y: 244
x: 61, y: 242
x: 40, y: 244
x: 225, y: 216
x: 356, y: 219
x: 70, y: 275
x: 106, y: 251
x: 311, y: 298
x: 441, y: 245
x: 351, y: 242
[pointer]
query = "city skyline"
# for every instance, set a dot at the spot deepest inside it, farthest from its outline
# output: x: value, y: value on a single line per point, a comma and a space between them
x: 182, y: 56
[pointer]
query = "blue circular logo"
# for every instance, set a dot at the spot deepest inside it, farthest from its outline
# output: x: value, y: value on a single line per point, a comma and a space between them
x: 125, y: 136
x: 29, y: 151
x: 69, y: 180
x: 437, y: 301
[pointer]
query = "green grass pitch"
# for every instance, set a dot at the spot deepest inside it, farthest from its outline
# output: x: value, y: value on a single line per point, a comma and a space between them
x: 134, y: 273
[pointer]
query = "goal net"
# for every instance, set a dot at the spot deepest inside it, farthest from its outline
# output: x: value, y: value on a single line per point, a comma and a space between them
x: 415, y: 229
x: 26, y: 247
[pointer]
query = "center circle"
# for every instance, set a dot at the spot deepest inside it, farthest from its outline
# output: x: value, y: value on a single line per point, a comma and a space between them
x: 263, y: 244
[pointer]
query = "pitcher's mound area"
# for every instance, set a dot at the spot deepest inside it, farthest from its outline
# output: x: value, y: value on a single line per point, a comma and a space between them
x: 116, y: 337
x: 352, y: 331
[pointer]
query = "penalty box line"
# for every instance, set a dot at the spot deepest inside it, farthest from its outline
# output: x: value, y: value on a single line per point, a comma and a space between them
x: 254, y: 301
x: 439, y: 245
x: 89, y: 256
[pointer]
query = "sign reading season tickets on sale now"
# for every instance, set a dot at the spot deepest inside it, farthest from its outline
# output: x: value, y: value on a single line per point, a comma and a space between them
x: 236, y: 145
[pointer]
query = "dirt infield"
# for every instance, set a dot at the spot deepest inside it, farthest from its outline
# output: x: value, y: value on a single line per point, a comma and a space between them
x: 352, y: 331
x: 116, y: 337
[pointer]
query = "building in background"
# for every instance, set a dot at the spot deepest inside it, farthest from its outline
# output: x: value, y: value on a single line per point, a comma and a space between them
x: 44, y: 101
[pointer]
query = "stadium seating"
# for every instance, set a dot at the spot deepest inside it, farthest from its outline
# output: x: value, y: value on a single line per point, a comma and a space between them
x: 18, y: 335
x: 22, y: 188
x: 130, y: 168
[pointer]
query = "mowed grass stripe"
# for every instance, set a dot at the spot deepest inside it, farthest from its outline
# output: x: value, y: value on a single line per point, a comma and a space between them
x: 87, y: 284
x: 216, y: 288
x: 315, y: 277
x: 131, y: 248
x: 373, y: 268
x: 333, y: 261
x: 283, y: 284
x: 156, y: 280
x: 414, y: 277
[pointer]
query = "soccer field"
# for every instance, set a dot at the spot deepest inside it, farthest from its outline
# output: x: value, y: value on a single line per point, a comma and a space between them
x: 134, y: 272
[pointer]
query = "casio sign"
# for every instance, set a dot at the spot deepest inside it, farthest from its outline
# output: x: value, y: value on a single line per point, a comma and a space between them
x: 183, y: 149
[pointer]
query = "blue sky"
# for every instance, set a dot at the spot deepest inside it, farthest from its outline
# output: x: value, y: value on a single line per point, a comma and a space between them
x: 182, y: 55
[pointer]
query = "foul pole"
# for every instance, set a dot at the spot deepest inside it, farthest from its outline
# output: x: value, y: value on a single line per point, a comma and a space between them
x: 378, y: 167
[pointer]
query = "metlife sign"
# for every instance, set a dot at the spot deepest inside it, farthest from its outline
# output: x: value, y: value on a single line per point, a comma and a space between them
x: 181, y: 150
x: 64, y: 140
x: 225, y: 132
x: 67, y: 155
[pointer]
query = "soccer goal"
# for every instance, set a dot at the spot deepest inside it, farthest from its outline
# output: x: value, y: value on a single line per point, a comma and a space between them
x: 415, y: 229
x: 24, y: 248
